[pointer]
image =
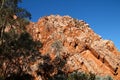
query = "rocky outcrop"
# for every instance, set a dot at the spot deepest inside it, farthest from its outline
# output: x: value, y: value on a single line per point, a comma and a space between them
x: 66, y: 45
x: 75, y: 42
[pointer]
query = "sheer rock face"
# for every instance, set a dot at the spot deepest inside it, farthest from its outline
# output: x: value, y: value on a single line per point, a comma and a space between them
x: 74, y: 41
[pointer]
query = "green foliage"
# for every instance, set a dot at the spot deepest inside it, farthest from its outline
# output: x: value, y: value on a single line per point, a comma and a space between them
x: 21, y: 47
x: 59, y: 77
x: 78, y: 76
x: 1, y: 78
x: 22, y: 41
x: 15, y: 43
x: 104, y: 78
x: 85, y: 76
x: 9, y: 9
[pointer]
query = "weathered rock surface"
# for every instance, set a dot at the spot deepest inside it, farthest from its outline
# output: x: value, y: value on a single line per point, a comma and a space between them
x: 75, y: 42
x: 68, y: 45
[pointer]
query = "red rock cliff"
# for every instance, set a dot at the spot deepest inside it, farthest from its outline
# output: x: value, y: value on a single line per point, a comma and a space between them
x: 74, y: 40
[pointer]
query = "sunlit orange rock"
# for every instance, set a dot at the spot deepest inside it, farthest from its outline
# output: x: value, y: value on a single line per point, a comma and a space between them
x: 84, y: 49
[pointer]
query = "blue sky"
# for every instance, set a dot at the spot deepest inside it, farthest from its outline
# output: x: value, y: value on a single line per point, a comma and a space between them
x: 103, y: 16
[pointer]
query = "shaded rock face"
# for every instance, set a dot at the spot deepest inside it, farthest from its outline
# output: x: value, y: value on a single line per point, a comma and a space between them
x: 75, y: 42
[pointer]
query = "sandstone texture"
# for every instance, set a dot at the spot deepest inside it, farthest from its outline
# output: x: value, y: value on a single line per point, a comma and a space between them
x: 77, y: 44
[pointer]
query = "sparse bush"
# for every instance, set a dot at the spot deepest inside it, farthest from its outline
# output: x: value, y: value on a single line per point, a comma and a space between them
x: 57, y: 46
x: 85, y: 76
x: 78, y: 76
x: 104, y: 78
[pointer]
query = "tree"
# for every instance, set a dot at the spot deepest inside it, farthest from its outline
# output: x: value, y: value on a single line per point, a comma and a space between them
x: 11, y: 15
x: 13, y: 20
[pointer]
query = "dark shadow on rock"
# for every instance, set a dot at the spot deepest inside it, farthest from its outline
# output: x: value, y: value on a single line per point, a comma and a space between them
x: 49, y: 69
x: 16, y: 53
x: 20, y: 77
x: 19, y: 52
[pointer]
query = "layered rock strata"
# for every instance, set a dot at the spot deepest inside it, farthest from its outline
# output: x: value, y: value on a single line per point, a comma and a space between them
x: 74, y: 41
